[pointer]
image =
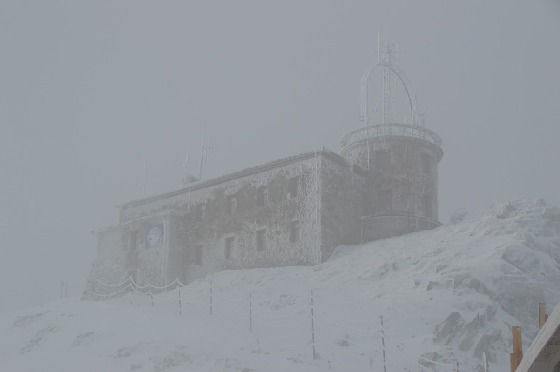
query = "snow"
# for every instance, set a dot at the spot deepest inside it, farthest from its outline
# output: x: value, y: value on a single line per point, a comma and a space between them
x: 448, y: 295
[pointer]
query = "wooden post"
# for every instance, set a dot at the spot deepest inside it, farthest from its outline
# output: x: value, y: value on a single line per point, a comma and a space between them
x: 383, y: 344
x: 313, y: 328
x: 517, y: 355
x: 543, y: 316
x: 250, y: 313
x: 211, y: 298
x: 179, y: 298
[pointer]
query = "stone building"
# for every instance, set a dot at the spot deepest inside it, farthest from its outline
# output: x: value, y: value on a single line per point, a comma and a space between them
x: 293, y: 211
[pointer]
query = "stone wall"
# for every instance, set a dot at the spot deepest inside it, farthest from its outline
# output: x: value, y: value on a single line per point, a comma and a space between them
x: 213, y: 213
x: 342, y: 201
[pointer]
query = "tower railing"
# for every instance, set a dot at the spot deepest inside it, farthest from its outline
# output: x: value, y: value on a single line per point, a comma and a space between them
x: 390, y: 129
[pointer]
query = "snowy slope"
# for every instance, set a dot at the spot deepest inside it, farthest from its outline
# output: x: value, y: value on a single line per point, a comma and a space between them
x: 448, y: 295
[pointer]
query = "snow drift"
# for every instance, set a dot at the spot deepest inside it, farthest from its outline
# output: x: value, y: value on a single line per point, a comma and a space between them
x: 448, y: 297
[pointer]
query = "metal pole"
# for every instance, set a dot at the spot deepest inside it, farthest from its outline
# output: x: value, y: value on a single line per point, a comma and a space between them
x: 180, y: 305
x: 485, y: 362
x: 211, y: 297
x: 312, y: 327
x: 250, y: 313
x: 383, y: 344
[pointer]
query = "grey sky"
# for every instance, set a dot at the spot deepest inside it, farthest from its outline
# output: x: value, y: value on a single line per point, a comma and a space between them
x: 88, y: 89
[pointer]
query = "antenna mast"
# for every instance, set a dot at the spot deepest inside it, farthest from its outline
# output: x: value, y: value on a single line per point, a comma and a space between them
x: 186, y: 166
x: 388, y: 61
x: 204, y: 150
x: 201, y: 156
x: 144, y: 179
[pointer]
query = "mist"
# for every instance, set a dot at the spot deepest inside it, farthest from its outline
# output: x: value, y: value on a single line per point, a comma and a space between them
x: 92, y: 91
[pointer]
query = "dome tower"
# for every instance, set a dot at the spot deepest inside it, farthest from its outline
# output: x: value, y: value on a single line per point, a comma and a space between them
x: 399, y: 158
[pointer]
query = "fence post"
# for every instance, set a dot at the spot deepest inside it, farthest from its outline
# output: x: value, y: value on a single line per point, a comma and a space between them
x: 250, y: 312
x: 543, y: 316
x: 313, y: 328
x: 179, y: 298
x: 383, y: 345
x: 517, y: 355
x: 211, y: 297
x: 152, y: 297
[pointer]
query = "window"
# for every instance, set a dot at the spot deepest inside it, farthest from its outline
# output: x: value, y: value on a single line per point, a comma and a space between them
x: 198, y: 254
x: 261, y: 240
x: 200, y: 212
x: 133, y: 239
x: 428, y: 210
x: 295, y: 233
x: 293, y: 186
x: 229, y: 242
x: 385, y: 200
x: 382, y: 159
x: 262, y: 196
x: 231, y: 204
x: 426, y: 164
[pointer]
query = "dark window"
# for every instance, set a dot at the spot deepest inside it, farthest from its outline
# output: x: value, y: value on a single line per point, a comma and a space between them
x: 229, y: 242
x: 293, y: 186
x: 428, y: 210
x: 231, y: 204
x: 385, y: 200
x: 295, y: 233
x: 262, y: 196
x: 382, y: 159
x: 133, y: 239
x: 426, y: 164
x: 198, y: 254
x: 261, y: 240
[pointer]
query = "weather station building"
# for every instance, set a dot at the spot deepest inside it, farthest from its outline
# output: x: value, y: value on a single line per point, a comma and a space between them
x: 292, y: 211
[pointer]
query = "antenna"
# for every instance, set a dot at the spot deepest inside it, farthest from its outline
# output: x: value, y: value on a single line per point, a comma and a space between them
x: 186, y: 166
x: 144, y: 179
x: 201, y: 156
x: 388, y: 59
x: 204, y: 150
x: 388, y: 63
x: 378, y: 47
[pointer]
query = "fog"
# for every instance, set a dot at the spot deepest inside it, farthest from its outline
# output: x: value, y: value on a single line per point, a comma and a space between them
x: 91, y: 90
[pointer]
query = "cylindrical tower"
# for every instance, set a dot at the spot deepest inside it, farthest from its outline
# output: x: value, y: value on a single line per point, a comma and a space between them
x: 399, y: 162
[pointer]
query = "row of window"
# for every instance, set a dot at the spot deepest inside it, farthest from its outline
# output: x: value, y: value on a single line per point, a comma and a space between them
x: 260, y: 240
x: 385, y: 202
x: 382, y: 160
x: 261, y: 199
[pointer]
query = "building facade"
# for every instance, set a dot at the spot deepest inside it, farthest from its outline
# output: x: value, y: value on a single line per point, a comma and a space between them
x: 293, y: 211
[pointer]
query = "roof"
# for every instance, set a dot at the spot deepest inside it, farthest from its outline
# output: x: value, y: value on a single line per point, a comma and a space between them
x: 242, y: 173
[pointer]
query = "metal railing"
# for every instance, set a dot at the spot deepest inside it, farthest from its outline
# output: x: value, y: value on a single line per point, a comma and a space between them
x: 391, y: 129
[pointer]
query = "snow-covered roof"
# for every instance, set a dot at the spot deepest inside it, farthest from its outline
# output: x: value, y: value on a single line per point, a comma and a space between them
x: 242, y: 173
